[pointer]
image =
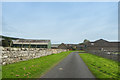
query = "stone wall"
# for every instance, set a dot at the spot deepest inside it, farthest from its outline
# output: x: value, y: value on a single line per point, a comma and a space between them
x: 12, y: 55
x: 106, y: 54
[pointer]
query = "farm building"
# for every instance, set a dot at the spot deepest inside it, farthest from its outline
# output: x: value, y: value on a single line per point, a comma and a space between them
x: 32, y: 43
x: 102, y: 45
x: 54, y: 46
x: 0, y: 41
x: 69, y: 46
x: 62, y: 46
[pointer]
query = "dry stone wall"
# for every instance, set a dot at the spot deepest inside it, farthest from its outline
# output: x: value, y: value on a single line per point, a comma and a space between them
x: 12, y: 55
x: 106, y: 54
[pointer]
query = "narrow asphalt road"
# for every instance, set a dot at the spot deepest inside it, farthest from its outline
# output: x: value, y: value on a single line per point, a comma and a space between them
x: 71, y: 67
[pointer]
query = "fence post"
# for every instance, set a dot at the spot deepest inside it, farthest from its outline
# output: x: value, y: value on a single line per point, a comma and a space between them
x: 22, y: 45
x: 10, y: 43
x: 35, y: 46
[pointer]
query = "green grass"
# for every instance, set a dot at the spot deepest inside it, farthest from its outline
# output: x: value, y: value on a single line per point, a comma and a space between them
x: 33, y: 68
x: 0, y: 72
x: 101, y: 67
x: 116, y: 53
x: 81, y: 51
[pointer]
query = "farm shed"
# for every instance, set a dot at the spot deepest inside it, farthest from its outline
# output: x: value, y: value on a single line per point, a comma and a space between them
x: 31, y: 43
x: 103, y: 45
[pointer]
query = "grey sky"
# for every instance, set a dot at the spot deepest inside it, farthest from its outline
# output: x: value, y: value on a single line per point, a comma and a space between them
x: 67, y: 22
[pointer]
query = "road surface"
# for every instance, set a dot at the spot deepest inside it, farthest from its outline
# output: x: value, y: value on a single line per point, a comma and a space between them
x: 70, y: 67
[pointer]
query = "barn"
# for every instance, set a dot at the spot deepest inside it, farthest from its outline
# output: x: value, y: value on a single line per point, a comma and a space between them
x: 103, y: 45
x: 29, y: 43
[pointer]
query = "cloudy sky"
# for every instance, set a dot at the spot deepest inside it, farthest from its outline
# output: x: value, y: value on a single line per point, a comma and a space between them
x: 67, y: 22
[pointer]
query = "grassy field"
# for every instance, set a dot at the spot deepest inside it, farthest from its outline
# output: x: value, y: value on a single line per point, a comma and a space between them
x: 33, y: 68
x: 101, y: 67
x: 0, y: 72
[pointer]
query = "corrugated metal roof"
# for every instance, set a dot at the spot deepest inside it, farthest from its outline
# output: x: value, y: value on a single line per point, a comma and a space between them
x: 30, y: 41
x: 55, y: 45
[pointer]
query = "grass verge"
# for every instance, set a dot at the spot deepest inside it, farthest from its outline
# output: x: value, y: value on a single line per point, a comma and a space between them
x: 33, y: 68
x: 101, y: 67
